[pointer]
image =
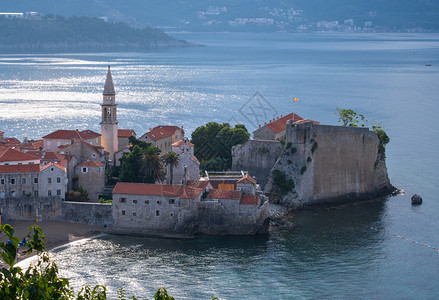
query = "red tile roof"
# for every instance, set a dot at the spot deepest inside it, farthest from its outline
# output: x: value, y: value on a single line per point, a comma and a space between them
x: 54, y: 165
x: 12, y: 141
x: 72, y: 135
x: 34, y: 168
x: 279, y: 125
x: 157, y: 190
x: 92, y: 163
x: 125, y: 133
x: 306, y: 121
x: 198, y: 184
x: 249, y: 200
x: 45, y: 155
x: 162, y: 131
x: 180, y: 142
x: 225, y: 194
x: 246, y: 179
x: 14, y: 155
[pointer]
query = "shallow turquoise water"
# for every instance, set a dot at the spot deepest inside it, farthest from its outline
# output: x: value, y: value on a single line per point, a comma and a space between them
x: 355, y: 251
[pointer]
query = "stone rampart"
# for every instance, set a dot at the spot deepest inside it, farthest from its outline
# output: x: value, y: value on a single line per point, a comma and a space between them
x: 87, y: 213
x: 228, y: 218
x: 257, y: 157
x: 329, y: 164
x: 31, y: 208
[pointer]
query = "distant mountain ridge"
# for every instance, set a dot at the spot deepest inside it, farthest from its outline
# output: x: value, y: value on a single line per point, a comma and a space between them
x: 58, y: 32
x: 244, y: 15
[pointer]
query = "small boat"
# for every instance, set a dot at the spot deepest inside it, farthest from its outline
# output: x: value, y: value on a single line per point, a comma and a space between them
x: 428, y: 65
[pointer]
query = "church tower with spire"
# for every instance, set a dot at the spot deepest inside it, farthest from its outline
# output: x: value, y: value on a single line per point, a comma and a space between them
x: 109, y: 119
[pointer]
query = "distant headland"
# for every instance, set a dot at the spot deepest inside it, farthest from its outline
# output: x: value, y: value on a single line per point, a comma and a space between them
x: 50, y: 32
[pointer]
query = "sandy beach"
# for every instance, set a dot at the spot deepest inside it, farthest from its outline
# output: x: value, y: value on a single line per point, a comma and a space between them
x: 56, y: 233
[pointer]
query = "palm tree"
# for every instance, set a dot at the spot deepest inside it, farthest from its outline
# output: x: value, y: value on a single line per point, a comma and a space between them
x: 152, y: 167
x: 171, y: 159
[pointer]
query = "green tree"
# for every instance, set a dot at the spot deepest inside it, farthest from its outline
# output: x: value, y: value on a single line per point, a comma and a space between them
x: 152, y: 168
x: 41, y: 280
x: 130, y: 165
x: 171, y: 159
x: 348, y: 117
x: 213, y: 144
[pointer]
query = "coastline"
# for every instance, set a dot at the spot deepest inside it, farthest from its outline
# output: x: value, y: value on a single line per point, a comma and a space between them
x: 57, y: 233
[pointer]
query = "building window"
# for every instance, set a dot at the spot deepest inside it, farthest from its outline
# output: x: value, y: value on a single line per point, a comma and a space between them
x: 146, y: 201
x: 49, y: 180
x: 2, y: 181
x: 49, y: 193
x: 123, y: 213
x: 23, y: 193
x: 134, y: 214
x: 58, y: 192
x: 52, y: 169
x: 134, y: 201
x: 159, y: 202
x: 36, y: 193
x: 36, y: 180
x: 12, y: 180
x: 13, y: 193
x: 58, y: 179
x: 171, y: 201
x: 157, y: 213
x: 84, y: 170
x: 23, y: 180
x: 172, y: 214
x: 122, y: 200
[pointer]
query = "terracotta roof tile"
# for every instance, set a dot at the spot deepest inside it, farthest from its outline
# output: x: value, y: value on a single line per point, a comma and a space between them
x: 34, y: 168
x: 156, y: 190
x: 246, y: 179
x: 198, y: 184
x: 54, y: 165
x: 279, y: 125
x: 72, y: 135
x: 180, y: 142
x: 92, y: 163
x: 125, y: 133
x: 225, y: 194
x: 306, y: 121
x: 14, y: 155
x: 162, y: 131
x: 12, y: 141
x: 249, y: 200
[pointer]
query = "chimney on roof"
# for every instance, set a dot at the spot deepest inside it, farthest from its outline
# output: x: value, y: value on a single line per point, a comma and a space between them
x: 277, y: 118
x: 150, y: 129
x: 281, y: 116
x: 259, y: 125
x: 265, y: 123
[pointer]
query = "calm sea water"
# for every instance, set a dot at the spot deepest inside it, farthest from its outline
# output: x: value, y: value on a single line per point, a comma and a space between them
x: 380, y: 249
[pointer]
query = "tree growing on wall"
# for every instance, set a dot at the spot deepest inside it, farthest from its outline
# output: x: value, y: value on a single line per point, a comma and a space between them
x: 348, y: 117
x: 213, y: 144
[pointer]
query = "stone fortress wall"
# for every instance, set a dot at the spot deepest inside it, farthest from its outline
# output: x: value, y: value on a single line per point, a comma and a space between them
x: 326, y: 163
x: 54, y: 208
